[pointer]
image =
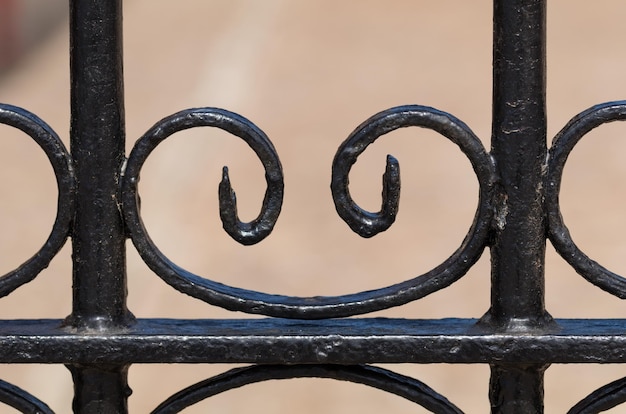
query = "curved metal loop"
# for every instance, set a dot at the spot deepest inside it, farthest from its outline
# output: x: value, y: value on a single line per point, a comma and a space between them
x: 21, y: 400
x: 558, y: 233
x: 364, y: 223
x: 244, y: 233
x: 61, y: 162
x: 602, y: 399
x: 317, y: 307
x: 385, y: 380
x: 368, y: 224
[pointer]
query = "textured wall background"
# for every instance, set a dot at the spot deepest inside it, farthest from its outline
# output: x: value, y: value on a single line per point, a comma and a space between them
x: 308, y: 73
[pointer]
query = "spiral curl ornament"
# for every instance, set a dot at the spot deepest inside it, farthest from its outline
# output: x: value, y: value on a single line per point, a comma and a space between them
x: 400, y: 385
x: 317, y: 307
x: 244, y: 233
x: 558, y: 233
x: 60, y: 160
x: 21, y: 400
x: 368, y: 224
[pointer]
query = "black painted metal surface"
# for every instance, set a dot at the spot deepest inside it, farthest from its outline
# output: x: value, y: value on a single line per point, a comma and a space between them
x: 518, y: 209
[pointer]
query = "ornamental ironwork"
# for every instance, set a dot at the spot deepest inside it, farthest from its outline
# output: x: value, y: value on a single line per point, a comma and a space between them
x: 518, y: 210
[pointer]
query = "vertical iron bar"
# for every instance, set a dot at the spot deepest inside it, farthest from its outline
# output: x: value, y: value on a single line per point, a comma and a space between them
x: 519, y: 149
x: 516, y: 389
x: 97, y: 144
x: 98, y: 151
x: 102, y: 390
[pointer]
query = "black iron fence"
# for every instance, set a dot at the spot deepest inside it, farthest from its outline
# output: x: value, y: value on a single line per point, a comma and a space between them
x: 518, y: 209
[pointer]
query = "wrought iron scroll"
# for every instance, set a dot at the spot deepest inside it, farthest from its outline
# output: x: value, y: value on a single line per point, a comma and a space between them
x: 519, y: 184
x: 362, y: 222
x: 244, y: 233
x: 385, y: 380
x: 61, y: 163
x: 563, y: 144
x: 368, y: 224
x: 400, y: 385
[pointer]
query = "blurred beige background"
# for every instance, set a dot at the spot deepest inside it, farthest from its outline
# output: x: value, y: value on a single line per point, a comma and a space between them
x: 307, y: 73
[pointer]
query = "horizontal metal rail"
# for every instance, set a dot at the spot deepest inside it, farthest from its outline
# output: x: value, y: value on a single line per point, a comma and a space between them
x: 342, y: 341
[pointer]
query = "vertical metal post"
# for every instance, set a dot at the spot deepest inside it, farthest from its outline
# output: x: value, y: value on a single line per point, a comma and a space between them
x: 519, y: 148
x: 98, y: 151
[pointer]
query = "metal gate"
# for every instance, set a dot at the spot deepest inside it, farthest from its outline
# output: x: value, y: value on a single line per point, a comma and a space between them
x: 518, y: 210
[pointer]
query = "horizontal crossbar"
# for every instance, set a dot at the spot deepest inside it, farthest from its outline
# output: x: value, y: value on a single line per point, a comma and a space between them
x: 335, y: 341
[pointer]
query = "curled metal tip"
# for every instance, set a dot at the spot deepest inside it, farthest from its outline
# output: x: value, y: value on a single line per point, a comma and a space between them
x: 228, y: 199
x: 391, y: 190
x: 244, y: 233
x: 252, y: 232
x: 367, y: 224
